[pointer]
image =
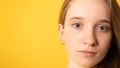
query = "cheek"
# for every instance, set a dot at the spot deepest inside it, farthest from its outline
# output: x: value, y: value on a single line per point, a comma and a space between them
x: 104, y: 42
x: 71, y: 41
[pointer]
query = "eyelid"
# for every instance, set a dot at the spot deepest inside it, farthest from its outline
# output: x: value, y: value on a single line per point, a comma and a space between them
x: 106, y: 26
x: 76, y: 22
x: 103, y: 26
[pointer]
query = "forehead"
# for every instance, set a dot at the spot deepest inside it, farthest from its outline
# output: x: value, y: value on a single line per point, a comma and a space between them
x: 88, y: 8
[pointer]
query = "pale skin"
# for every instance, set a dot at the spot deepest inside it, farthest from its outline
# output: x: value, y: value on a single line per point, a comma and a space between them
x: 87, y: 33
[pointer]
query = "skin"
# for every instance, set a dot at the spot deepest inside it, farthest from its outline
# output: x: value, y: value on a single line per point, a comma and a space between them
x: 87, y: 33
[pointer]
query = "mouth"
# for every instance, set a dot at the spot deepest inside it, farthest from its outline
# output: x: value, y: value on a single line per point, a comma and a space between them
x: 88, y: 53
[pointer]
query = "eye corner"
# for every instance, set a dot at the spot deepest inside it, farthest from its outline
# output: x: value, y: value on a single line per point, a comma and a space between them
x: 104, y: 28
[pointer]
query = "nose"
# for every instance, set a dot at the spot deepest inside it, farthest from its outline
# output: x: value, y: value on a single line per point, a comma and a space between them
x: 90, y: 38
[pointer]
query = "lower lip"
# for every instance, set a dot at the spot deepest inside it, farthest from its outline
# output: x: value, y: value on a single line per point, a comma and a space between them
x: 88, y: 54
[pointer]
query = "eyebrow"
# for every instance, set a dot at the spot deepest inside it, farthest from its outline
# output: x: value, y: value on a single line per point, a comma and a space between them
x: 80, y: 18
x: 105, y: 21
x: 75, y: 18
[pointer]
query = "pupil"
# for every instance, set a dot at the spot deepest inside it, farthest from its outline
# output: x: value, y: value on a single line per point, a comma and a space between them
x: 102, y: 28
x: 77, y: 25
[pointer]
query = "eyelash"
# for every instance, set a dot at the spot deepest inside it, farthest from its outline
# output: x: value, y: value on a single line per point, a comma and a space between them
x: 103, y: 28
x: 76, y: 25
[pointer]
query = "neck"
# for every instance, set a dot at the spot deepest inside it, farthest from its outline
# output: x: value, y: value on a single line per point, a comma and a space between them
x: 73, y: 64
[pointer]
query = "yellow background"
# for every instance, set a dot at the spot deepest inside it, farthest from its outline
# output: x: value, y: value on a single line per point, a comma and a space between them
x: 28, y: 34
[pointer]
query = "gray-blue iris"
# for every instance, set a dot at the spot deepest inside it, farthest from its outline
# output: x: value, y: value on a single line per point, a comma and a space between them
x: 77, y: 25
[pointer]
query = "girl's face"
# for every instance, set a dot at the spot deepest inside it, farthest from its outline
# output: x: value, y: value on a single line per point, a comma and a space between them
x: 87, y: 32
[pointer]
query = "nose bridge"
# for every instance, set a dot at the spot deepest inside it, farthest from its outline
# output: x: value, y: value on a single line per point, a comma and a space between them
x: 90, y: 36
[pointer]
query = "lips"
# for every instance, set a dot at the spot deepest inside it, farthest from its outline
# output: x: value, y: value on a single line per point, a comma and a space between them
x: 87, y: 53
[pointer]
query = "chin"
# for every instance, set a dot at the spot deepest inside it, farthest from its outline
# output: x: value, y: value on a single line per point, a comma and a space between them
x: 88, y: 63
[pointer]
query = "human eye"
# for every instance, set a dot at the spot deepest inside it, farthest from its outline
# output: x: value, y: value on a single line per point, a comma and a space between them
x: 103, y: 28
x: 76, y: 25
